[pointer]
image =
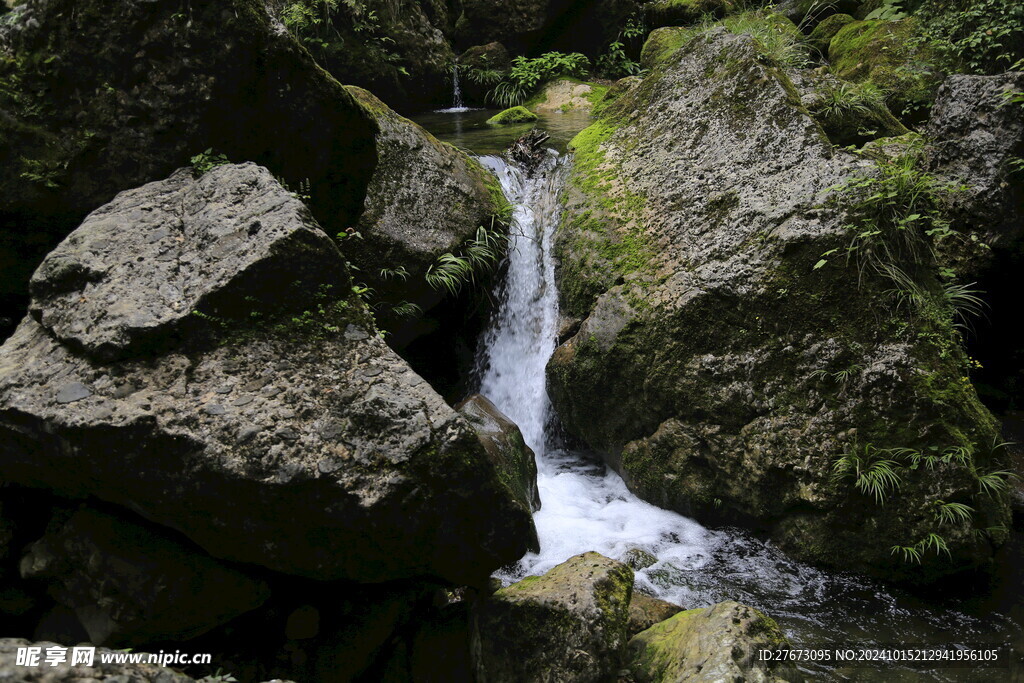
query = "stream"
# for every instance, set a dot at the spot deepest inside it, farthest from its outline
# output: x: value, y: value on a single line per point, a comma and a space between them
x: 586, y: 506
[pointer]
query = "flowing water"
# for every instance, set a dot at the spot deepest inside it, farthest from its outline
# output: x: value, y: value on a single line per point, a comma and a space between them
x: 458, y: 106
x: 588, y: 507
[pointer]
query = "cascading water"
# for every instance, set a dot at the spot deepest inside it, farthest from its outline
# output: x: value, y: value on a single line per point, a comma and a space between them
x: 458, y: 106
x: 586, y: 507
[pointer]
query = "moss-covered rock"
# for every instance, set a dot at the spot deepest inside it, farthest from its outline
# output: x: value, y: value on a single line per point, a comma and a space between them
x: 518, y: 114
x: 825, y: 31
x: 492, y: 57
x: 568, y: 625
x: 716, y: 643
x: 504, y: 443
x: 719, y: 366
x: 684, y: 12
x: 645, y: 612
x: 886, y: 54
x: 662, y: 43
x: 424, y: 199
x: 849, y: 113
x: 563, y: 95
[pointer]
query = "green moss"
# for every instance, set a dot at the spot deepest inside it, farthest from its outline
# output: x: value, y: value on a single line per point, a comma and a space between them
x: 887, y: 54
x: 824, y: 32
x: 518, y: 114
x: 663, y: 43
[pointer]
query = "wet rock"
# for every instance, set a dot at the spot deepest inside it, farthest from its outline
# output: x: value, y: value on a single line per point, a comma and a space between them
x: 568, y: 625
x: 408, y: 490
x: 512, y: 115
x: 717, y: 368
x: 504, y: 443
x: 43, y: 672
x: 425, y: 199
x: 529, y: 149
x: 638, y: 558
x: 708, y: 644
x: 87, y: 122
x: 128, y: 584
x: 645, y: 612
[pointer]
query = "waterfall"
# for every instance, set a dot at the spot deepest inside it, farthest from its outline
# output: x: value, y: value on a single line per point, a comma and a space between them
x: 585, y: 506
x: 458, y: 106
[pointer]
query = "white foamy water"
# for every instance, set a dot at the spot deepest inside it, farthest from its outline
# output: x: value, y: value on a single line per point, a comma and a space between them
x: 458, y: 106
x: 586, y: 506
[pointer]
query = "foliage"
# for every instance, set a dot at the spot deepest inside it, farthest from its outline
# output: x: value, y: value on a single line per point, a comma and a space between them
x: 204, y: 161
x: 873, y: 473
x: 479, y: 254
x: 978, y: 36
x: 527, y: 75
x: 775, y: 36
x: 615, y: 61
x: 844, y: 105
x: 888, y: 10
x: 316, y: 24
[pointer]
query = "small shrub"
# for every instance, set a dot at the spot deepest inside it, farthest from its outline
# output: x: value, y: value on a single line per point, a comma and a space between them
x: 527, y: 75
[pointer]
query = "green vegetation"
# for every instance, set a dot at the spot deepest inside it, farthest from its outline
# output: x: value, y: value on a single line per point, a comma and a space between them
x: 977, y: 36
x: 478, y: 255
x: 322, y: 25
x: 854, y: 112
x: 615, y: 61
x: 517, y: 114
x: 209, y: 159
x: 527, y: 75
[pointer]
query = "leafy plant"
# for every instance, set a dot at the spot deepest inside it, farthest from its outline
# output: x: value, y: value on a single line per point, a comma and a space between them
x: 873, y: 473
x: 206, y: 160
x: 979, y: 36
x: 526, y: 75
x: 841, y: 105
x: 615, y: 63
x: 480, y: 253
x: 953, y: 513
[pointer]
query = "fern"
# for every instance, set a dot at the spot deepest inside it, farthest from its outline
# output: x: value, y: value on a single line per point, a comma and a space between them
x: 953, y: 513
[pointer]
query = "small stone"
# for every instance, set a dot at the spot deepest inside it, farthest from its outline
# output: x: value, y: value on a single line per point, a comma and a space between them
x: 124, y: 390
x: 247, y: 434
x: 372, y: 372
x: 75, y: 391
x: 271, y: 392
x: 226, y: 389
x: 353, y: 333
x: 215, y: 409
x: 242, y: 401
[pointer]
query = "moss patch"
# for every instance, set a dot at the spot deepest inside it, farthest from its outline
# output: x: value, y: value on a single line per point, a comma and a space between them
x: 518, y: 114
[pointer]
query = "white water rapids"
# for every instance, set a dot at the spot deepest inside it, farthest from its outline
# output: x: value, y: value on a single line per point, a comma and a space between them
x: 586, y: 506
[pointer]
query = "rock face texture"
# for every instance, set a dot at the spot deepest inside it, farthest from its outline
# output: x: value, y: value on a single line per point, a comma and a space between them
x: 568, y: 625
x: 283, y: 432
x: 645, y: 612
x: 565, y: 95
x: 718, y: 643
x: 130, y: 585
x: 504, y: 443
x: 718, y: 369
x: 975, y: 134
x: 97, y: 97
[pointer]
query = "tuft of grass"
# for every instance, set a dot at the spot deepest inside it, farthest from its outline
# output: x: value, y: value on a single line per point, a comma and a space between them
x: 479, y: 254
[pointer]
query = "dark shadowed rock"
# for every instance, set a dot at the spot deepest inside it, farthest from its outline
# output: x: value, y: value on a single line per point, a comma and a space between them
x: 503, y: 441
x: 104, y: 95
x: 286, y: 434
x: 128, y: 584
x: 717, y: 367
x: 568, y: 625
x: 717, y: 643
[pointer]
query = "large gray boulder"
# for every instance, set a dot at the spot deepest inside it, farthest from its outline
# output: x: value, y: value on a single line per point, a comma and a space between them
x: 724, y: 371
x: 130, y: 584
x: 283, y: 432
x: 975, y: 133
x: 568, y: 625
x: 98, y: 96
x: 717, y: 643
x: 425, y: 198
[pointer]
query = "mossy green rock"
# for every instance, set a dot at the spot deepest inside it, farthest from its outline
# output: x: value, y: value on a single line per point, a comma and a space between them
x: 661, y: 43
x: 715, y: 367
x: 568, y: 625
x: 684, y: 12
x: 717, y: 643
x: 518, y: 114
x: 645, y: 612
x: 824, y: 32
x: 424, y: 199
x: 885, y: 53
x: 504, y: 443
